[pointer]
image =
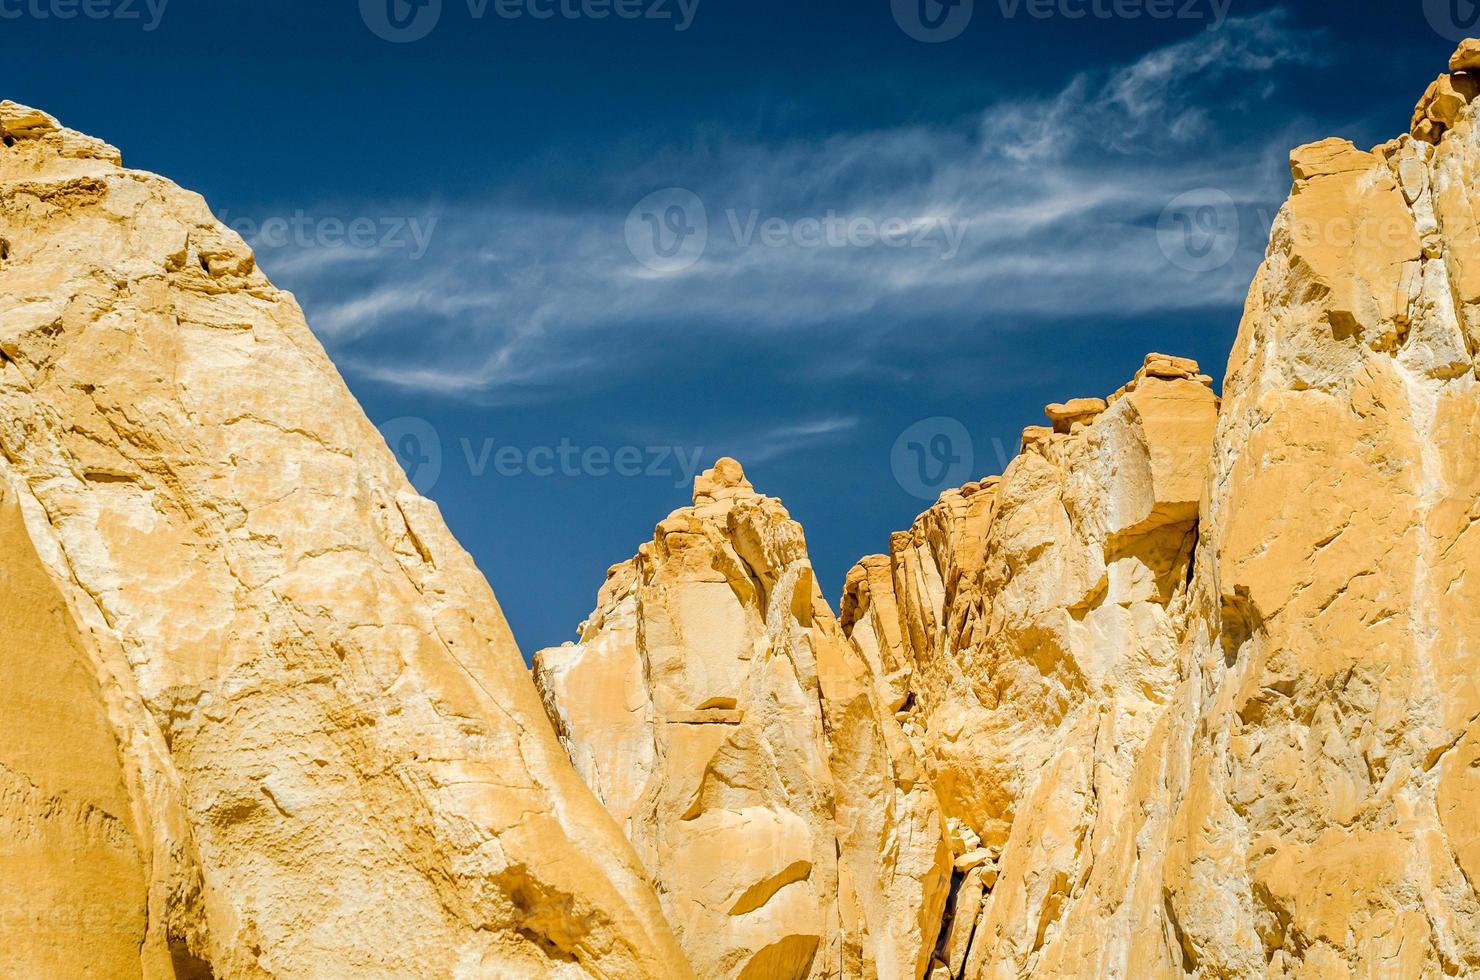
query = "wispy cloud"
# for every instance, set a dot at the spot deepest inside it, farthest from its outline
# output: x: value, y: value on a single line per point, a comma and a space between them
x: 787, y: 440
x: 1042, y: 207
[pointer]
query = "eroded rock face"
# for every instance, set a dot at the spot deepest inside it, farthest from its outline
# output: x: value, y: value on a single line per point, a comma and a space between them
x: 1191, y: 690
x: 750, y: 752
x: 303, y: 743
x: 1033, y: 619
x: 1233, y: 738
x: 1194, y: 687
x: 1329, y: 826
x: 73, y: 871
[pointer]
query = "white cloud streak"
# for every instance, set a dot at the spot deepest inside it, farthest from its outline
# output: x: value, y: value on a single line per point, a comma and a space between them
x: 1056, y: 202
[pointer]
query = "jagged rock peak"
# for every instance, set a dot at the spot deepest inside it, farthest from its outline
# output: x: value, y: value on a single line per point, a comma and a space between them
x: 1439, y: 108
x: 22, y: 123
x: 725, y: 480
x: 750, y: 753
x: 1014, y: 621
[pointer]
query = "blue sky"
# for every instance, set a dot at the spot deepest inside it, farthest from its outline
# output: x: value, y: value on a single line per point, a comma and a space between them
x: 908, y: 246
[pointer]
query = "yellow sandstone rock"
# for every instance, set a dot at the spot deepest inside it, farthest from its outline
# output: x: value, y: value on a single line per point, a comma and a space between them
x: 1217, y: 701
x: 1077, y: 410
x: 1039, y: 624
x: 751, y: 753
x: 73, y: 862
x: 1331, y: 653
x: 1192, y: 689
x: 263, y: 715
x: 1467, y: 57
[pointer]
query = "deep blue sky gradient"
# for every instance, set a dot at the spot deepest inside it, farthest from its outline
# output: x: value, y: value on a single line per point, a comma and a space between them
x: 531, y: 140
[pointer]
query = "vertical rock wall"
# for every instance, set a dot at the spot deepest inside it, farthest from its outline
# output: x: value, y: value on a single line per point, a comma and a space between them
x: 1032, y: 621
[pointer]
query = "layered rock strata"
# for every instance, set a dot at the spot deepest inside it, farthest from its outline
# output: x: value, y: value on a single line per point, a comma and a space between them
x: 264, y: 717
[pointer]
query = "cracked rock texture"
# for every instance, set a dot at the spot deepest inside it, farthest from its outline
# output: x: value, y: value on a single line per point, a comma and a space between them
x: 263, y: 716
x: 1034, y: 622
x: 1193, y: 687
x: 1328, y: 820
x: 715, y: 708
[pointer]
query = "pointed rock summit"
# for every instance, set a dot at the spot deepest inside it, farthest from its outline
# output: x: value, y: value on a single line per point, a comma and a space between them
x: 715, y: 708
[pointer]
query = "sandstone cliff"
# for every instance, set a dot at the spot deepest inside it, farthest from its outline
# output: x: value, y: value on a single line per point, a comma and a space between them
x: 1246, y: 744
x: 1193, y: 688
x: 263, y: 716
x: 715, y: 708
x: 1328, y: 821
x: 1036, y: 619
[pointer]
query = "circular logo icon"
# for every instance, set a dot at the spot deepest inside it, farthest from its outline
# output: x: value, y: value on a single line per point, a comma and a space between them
x: 933, y: 21
x: 1454, y: 20
x: 668, y: 230
x: 1199, y: 230
x: 418, y: 448
x: 401, y: 21
x: 932, y: 456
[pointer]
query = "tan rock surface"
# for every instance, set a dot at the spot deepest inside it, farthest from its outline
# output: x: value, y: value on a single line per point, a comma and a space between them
x: 1331, y: 646
x: 1192, y: 689
x: 1037, y: 621
x: 751, y: 753
x: 73, y: 864
x: 1250, y: 751
x: 306, y: 745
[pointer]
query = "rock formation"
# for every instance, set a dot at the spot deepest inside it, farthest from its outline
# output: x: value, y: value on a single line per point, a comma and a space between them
x: 716, y: 710
x: 1328, y: 823
x: 263, y: 716
x: 1192, y: 689
x: 1035, y: 619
